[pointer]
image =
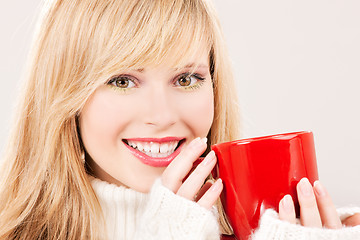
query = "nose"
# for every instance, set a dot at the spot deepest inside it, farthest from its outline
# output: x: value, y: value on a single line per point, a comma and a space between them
x: 159, y: 108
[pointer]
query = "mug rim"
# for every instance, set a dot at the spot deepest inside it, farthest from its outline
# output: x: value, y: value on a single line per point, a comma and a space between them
x: 284, y: 136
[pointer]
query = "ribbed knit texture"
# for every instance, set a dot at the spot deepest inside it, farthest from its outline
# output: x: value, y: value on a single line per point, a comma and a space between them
x: 271, y: 228
x: 161, y: 214
x: 122, y: 208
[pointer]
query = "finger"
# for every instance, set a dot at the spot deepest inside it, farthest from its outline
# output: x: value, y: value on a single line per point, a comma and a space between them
x: 287, y: 209
x: 352, y: 221
x: 309, y: 212
x: 328, y: 213
x: 196, y: 179
x: 195, y: 164
x: 203, y: 189
x: 177, y: 170
x: 210, y: 196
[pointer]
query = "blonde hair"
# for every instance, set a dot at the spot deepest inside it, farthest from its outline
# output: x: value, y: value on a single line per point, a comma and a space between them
x: 45, y: 192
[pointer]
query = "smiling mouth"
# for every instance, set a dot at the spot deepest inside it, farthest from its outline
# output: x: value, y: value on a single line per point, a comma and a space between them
x: 155, y: 148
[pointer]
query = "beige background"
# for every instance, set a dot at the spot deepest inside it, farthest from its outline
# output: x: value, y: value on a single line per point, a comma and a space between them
x: 297, y: 67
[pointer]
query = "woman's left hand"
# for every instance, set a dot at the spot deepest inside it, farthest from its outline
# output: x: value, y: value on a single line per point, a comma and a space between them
x: 316, y: 208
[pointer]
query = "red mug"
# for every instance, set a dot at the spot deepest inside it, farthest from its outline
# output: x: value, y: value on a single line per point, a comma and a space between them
x: 258, y: 172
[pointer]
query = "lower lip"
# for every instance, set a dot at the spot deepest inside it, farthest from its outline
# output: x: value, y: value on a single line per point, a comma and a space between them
x: 154, y: 162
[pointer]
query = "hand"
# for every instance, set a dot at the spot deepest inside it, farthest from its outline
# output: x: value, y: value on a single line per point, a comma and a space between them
x: 316, y: 208
x: 193, y: 188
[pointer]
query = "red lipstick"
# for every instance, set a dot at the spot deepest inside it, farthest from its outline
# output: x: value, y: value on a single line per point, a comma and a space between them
x: 155, y: 161
x: 157, y: 140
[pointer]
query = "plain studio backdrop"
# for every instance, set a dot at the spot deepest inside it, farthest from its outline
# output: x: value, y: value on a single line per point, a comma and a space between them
x: 297, y: 66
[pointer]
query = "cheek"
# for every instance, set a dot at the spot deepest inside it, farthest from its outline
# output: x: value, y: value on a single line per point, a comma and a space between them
x: 102, y: 120
x: 198, y: 110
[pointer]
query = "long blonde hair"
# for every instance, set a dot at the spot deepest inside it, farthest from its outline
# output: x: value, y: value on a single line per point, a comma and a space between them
x: 45, y: 192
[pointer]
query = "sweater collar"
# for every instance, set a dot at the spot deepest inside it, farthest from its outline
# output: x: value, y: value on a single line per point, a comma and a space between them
x: 111, y: 194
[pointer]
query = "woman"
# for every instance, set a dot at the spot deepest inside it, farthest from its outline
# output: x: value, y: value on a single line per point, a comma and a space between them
x: 119, y: 101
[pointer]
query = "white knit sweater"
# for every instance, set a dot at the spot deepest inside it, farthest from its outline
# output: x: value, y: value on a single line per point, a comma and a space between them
x: 271, y: 228
x: 159, y: 215
x: 162, y: 215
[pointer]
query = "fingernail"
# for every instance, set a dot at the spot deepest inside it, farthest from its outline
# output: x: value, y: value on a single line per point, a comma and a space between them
x: 204, y: 140
x: 217, y: 185
x: 209, y: 158
x: 305, y: 187
x: 319, y: 188
x: 287, y: 203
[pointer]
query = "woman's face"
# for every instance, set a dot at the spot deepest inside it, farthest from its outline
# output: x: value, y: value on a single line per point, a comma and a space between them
x: 135, y: 125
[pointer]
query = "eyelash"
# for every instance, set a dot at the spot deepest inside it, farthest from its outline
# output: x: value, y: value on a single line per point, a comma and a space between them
x: 112, y: 83
x: 199, y: 82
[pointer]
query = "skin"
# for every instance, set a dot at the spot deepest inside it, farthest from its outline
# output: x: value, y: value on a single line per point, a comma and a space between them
x: 152, y: 105
x: 155, y: 106
x: 316, y: 208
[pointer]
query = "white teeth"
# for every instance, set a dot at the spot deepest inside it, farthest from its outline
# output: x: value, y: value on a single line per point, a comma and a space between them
x: 132, y: 144
x: 154, y: 149
x: 164, y: 148
x: 146, y: 147
x: 140, y: 146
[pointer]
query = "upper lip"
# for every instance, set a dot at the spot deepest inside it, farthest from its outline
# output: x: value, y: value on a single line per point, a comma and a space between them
x: 157, y: 140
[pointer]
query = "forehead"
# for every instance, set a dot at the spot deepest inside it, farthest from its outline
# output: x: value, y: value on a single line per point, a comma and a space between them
x: 174, y: 62
x: 200, y: 60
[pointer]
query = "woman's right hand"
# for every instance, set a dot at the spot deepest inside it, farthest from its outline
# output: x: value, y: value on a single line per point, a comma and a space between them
x: 193, y: 187
x: 316, y: 208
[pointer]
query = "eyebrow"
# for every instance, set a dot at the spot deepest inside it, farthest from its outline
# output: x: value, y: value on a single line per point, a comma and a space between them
x: 191, y: 65
x: 196, y: 65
